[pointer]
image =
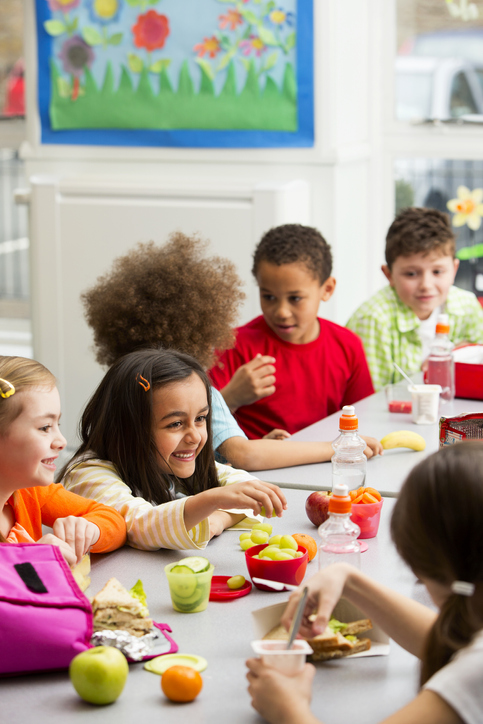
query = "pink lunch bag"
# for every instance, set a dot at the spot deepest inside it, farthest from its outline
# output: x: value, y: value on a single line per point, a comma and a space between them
x: 45, y: 619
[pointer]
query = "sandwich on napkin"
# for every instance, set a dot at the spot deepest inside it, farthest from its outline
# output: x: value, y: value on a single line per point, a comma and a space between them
x: 339, y: 639
x: 115, y: 608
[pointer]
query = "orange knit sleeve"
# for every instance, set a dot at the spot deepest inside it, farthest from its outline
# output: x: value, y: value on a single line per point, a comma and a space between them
x: 57, y: 502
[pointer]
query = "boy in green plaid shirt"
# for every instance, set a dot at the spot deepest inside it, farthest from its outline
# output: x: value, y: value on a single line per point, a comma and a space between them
x: 398, y: 323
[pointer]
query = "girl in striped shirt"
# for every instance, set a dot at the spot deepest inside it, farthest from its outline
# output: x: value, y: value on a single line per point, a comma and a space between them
x: 147, y: 451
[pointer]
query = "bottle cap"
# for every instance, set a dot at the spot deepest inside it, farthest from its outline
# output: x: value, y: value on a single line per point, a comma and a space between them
x: 340, y: 501
x: 442, y: 325
x: 348, y: 419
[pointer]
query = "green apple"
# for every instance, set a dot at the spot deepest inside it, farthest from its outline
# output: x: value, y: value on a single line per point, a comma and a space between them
x: 287, y: 541
x: 259, y: 537
x: 275, y: 540
x: 263, y: 526
x: 99, y: 674
x: 244, y: 536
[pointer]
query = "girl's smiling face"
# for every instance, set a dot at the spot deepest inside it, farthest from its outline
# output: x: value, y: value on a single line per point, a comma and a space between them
x: 179, y: 424
x: 32, y: 441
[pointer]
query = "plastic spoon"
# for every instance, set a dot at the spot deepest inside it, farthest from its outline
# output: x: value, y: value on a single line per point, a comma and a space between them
x: 403, y: 374
x: 297, y: 619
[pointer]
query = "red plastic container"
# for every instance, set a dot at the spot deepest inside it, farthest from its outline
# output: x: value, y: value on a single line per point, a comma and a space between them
x: 292, y: 571
x: 367, y: 516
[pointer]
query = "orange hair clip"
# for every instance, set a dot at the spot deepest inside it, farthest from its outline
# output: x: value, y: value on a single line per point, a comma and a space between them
x: 143, y: 382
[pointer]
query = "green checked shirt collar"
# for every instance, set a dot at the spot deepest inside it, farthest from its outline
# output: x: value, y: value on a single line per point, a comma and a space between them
x: 388, y: 329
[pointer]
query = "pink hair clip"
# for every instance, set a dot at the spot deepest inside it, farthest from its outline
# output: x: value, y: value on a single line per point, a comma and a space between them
x: 143, y: 382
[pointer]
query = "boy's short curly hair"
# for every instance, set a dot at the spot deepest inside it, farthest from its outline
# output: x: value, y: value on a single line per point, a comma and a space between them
x: 419, y: 230
x: 292, y: 243
x: 169, y: 296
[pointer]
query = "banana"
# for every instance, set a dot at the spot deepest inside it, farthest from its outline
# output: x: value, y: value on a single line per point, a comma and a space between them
x: 403, y: 438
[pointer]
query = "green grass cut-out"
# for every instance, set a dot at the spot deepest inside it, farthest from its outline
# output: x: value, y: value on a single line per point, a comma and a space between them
x: 268, y: 109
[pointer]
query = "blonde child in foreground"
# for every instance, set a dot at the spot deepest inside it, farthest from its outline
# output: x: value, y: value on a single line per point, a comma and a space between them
x: 147, y: 451
x: 30, y: 442
x: 436, y: 527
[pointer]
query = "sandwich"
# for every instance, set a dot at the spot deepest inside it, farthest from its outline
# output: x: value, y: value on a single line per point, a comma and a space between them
x: 116, y: 608
x: 338, y: 640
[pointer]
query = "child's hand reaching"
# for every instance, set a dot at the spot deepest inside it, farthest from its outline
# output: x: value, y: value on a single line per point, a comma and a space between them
x: 80, y: 534
x: 65, y: 549
x: 251, y: 382
x: 374, y: 447
x: 252, y: 494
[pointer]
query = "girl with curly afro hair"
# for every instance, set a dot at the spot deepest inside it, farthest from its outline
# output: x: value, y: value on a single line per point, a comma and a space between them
x: 170, y: 296
x: 173, y: 296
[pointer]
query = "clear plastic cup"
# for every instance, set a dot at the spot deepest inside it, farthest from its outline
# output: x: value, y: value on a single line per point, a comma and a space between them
x: 189, y: 592
x: 425, y: 404
x: 367, y: 517
x: 275, y: 654
x: 398, y: 398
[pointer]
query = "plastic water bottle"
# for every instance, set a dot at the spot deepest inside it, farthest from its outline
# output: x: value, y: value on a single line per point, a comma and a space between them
x: 349, y: 462
x: 440, y: 360
x: 339, y: 534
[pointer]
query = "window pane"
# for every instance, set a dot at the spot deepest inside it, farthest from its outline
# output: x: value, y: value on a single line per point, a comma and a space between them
x: 432, y: 183
x: 439, y: 65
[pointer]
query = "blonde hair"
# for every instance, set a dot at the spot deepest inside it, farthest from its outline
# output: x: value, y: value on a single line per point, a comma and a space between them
x: 20, y: 373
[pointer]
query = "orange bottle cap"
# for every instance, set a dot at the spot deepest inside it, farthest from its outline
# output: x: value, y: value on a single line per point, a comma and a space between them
x: 348, y: 419
x: 442, y: 329
x: 340, y: 503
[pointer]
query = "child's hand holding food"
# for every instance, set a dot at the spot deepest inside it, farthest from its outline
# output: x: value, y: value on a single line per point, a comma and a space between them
x: 66, y: 550
x: 79, y: 533
x: 253, y: 495
x: 280, y: 698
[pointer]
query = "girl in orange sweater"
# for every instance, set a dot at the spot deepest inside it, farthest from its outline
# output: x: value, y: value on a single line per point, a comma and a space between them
x: 30, y: 442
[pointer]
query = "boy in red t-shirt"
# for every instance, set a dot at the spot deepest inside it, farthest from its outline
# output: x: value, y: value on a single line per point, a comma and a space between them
x: 289, y: 368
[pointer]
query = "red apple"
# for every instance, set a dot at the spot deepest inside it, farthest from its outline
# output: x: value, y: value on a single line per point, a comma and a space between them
x: 317, y: 507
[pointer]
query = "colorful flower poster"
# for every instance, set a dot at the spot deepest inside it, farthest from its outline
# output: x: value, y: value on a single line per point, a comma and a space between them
x: 194, y: 73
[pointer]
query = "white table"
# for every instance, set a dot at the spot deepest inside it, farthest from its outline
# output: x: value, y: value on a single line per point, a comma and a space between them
x: 222, y: 634
x: 386, y: 473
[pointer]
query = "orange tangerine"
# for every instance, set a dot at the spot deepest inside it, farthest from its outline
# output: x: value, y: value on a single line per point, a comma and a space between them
x: 181, y: 683
x: 307, y: 542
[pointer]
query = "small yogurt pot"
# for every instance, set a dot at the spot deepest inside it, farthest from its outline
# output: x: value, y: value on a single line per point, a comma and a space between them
x: 275, y: 654
x: 425, y: 404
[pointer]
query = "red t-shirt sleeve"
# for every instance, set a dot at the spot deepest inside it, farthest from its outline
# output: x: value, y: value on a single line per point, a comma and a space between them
x: 222, y: 372
x: 57, y: 502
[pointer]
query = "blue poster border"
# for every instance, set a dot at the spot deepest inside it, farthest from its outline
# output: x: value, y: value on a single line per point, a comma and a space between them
x: 302, y: 138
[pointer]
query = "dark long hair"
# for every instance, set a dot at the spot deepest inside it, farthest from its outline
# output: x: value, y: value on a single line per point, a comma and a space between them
x: 436, y: 527
x: 118, y: 420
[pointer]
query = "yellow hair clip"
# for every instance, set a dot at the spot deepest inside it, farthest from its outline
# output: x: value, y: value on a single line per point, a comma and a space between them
x: 9, y: 392
x: 142, y: 381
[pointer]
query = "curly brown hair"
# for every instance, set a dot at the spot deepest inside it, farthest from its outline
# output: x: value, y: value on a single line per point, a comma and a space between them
x: 167, y: 296
x: 419, y: 230
x: 291, y: 243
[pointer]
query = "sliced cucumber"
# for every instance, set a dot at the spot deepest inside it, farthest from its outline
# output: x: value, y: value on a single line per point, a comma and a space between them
x: 182, y: 569
x: 196, y: 563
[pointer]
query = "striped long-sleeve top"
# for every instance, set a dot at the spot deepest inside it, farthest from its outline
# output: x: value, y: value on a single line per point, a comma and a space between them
x: 149, y: 527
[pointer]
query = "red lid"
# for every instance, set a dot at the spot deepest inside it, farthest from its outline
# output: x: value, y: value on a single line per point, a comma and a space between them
x: 348, y: 419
